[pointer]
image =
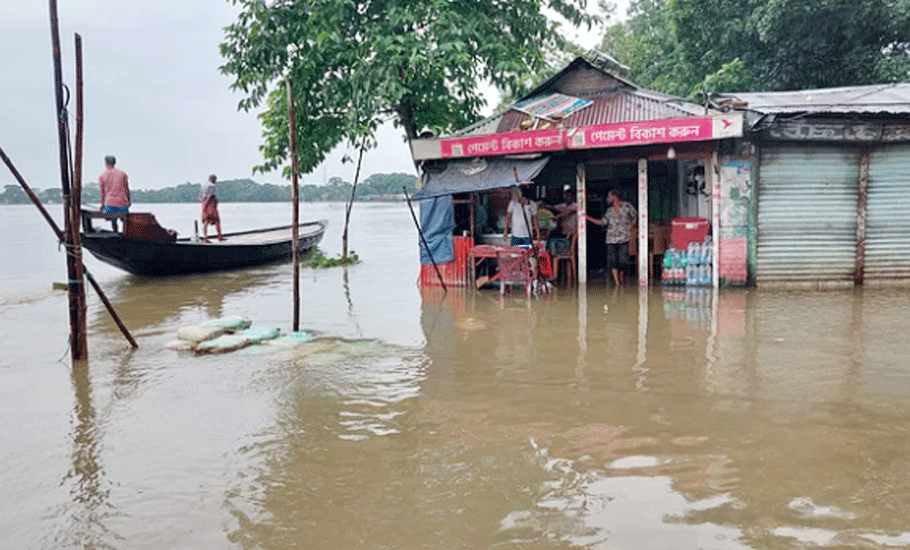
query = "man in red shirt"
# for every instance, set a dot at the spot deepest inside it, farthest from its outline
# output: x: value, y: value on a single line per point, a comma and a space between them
x: 115, y: 190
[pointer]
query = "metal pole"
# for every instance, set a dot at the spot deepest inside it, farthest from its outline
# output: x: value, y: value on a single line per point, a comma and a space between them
x: 292, y: 119
x: 59, y: 233
x: 423, y: 239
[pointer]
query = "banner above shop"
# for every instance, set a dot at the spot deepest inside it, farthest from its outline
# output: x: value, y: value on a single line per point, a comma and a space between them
x: 676, y: 130
x: 513, y: 143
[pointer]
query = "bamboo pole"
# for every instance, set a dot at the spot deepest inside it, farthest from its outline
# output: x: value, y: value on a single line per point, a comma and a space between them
x: 77, y: 332
x: 292, y: 120
x: 59, y: 233
x: 350, y: 205
x: 76, y: 197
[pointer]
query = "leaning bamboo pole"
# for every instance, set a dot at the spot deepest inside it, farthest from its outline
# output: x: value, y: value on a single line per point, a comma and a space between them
x: 37, y: 202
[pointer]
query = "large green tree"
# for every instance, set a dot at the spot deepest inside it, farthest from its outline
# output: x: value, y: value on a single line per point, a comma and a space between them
x: 355, y: 64
x: 692, y: 47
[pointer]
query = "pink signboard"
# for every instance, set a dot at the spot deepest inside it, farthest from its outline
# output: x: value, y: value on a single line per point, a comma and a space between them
x: 503, y: 144
x: 636, y: 133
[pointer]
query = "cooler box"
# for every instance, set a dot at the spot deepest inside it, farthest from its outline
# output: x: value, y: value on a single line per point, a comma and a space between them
x: 688, y: 230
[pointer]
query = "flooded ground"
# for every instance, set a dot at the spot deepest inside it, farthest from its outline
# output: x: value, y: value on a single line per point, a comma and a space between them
x: 422, y: 419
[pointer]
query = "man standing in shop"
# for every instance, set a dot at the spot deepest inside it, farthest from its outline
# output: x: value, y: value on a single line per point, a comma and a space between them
x: 521, y: 219
x: 618, y: 220
x: 567, y: 213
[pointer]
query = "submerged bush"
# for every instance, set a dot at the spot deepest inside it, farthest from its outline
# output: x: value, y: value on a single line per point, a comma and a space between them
x: 318, y: 259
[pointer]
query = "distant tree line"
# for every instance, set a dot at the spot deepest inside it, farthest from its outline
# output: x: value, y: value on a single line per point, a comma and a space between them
x: 378, y: 187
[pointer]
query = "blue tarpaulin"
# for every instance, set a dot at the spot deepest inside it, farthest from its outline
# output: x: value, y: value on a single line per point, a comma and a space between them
x: 437, y: 221
x: 437, y: 210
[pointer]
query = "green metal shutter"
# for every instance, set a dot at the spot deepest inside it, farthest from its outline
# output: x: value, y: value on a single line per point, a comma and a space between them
x: 807, y: 200
x: 888, y: 213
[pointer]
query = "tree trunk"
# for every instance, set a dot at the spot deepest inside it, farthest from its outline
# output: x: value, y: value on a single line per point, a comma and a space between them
x: 406, y: 118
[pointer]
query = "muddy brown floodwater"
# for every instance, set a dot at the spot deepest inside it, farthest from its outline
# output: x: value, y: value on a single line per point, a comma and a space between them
x: 422, y: 419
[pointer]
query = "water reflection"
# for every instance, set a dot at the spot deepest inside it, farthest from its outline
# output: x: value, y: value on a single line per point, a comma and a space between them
x: 327, y: 455
x: 147, y: 303
x: 89, y: 510
x: 602, y: 419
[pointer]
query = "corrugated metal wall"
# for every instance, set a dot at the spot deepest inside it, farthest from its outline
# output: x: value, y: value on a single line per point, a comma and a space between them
x: 888, y: 213
x: 807, y: 200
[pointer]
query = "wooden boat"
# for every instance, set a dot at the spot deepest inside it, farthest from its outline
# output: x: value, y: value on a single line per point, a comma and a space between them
x: 144, y: 247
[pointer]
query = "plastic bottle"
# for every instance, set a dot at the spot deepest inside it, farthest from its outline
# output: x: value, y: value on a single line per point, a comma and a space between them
x: 705, y: 278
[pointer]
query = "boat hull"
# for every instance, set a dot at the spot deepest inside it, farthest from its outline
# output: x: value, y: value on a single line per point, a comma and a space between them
x: 155, y: 258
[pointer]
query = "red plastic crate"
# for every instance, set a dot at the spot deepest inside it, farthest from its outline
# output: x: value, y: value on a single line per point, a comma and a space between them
x: 688, y: 230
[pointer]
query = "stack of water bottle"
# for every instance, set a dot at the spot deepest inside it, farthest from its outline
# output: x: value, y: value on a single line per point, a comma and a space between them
x: 690, y: 267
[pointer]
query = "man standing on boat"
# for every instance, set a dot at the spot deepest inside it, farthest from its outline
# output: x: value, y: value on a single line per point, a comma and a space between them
x: 115, y: 190
x: 208, y: 196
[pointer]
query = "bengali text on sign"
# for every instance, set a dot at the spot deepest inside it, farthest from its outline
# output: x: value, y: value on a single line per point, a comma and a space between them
x: 503, y: 144
x: 632, y: 133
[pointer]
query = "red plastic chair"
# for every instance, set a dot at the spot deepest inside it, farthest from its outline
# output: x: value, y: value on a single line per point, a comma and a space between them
x: 514, y: 269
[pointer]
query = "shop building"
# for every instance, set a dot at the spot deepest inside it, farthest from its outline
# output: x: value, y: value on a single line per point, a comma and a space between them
x: 588, y: 129
x: 832, y: 201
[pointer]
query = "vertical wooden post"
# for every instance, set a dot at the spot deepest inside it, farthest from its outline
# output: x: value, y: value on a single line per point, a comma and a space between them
x: 76, y: 199
x: 862, y: 202
x: 581, y: 201
x: 292, y: 119
x: 643, y: 256
x: 472, y: 207
x: 77, y: 331
x: 713, y: 173
x: 59, y: 233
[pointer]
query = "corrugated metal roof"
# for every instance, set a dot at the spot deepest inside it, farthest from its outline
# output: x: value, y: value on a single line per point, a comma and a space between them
x: 480, y: 128
x: 882, y: 98
x: 626, y: 105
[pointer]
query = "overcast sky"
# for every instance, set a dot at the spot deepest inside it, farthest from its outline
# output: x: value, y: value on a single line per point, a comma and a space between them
x: 153, y: 96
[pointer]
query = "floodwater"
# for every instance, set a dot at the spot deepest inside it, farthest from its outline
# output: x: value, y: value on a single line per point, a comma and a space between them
x: 600, y: 419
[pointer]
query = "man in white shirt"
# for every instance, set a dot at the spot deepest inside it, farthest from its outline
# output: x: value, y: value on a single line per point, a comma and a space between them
x: 521, y: 219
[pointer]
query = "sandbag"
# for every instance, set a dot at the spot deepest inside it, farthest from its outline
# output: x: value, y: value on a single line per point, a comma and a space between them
x: 181, y: 345
x: 259, y: 334
x: 229, y: 323
x: 291, y: 339
x: 198, y: 333
x: 223, y: 344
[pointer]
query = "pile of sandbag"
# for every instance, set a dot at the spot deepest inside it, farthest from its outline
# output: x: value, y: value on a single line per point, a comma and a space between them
x: 226, y: 334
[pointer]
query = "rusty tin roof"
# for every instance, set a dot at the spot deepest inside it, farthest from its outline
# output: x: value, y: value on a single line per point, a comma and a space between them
x: 619, y: 100
x: 879, y: 99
